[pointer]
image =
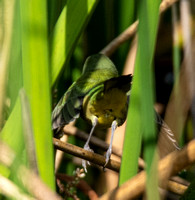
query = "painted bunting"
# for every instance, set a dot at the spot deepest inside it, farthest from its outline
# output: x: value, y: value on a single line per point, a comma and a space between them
x: 100, y: 96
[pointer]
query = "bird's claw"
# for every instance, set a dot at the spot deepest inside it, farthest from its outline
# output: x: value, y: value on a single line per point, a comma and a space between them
x: 108, y: 154
x: 84, y: 165
x: 84, y: 162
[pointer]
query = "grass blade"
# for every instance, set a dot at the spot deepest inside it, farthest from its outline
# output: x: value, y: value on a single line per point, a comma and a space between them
x: 142, y: 99
x: 36, y: 82
x: 71, y: 22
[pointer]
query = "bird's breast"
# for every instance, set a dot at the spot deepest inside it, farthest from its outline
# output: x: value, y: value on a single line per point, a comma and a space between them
x: 107, y: 107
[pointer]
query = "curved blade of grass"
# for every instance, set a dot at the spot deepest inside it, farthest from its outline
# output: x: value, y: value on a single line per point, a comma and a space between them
x: 36, y: 82
x: 71, y: 22
x: 141, y: 115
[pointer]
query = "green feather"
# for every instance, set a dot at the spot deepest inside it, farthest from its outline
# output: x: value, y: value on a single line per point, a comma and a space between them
x: 97, y: 69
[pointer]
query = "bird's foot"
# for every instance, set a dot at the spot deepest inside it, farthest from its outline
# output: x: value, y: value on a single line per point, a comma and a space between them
x: 108, y: 154
x: 84, y: 162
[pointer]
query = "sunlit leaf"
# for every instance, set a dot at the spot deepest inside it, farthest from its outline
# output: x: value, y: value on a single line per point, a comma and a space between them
x: 36, y: 78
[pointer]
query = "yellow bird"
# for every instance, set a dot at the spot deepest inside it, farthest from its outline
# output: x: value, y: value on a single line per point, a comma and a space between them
x: 99, y: 96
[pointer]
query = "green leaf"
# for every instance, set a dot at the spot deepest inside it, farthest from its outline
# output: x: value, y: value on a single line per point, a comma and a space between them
x: 28, y: 131
x: 15, y: 62
x: 132, y: 142
x: 12, y: 131
x: 36, y: 82
x: 141, y: 113
x: 71, y: 22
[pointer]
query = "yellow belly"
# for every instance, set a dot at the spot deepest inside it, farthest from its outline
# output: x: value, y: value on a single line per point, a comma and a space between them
x: 106, y: 107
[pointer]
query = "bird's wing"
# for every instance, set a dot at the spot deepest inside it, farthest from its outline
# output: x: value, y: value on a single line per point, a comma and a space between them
x: 68, y: 108
x: 121, y: 82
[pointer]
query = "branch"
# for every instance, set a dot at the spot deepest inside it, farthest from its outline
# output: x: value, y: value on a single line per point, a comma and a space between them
x: 134, y: 187
x: 71, y: 130
x: 131, y: 30
x: 177, y: 188
x: 87, y: 155
x: 100, y: 160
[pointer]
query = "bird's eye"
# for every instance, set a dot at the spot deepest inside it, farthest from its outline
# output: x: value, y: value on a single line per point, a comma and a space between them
x: 110, y: 110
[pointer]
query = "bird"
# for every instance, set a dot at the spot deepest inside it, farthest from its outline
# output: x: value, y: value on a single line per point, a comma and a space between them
x: 100, y: 96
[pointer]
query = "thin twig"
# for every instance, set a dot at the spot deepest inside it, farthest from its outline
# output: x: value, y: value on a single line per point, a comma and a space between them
x: 131, y: 30
x: 87, y: 155
x: 123, y: 37
x: 177, y: 188
x: 82, y: 185
x: 72, y: 130
x: 134, y: 187
x: 65, y: 192
x: 180, y: 180
x: 59, y: 154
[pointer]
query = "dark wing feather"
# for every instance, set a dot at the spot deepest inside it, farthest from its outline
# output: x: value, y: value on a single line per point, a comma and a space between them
x: 122, y: 83
x: 68, y: 108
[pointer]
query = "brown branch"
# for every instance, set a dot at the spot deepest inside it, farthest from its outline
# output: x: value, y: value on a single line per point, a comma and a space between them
x: 123, y: 37
x: 177, y: 188
x: 134, y: 187
x: 59, y: 154
x: 87, y: 155
x: 100, y: 160
x: 71, y: 130
x: 131, y: 30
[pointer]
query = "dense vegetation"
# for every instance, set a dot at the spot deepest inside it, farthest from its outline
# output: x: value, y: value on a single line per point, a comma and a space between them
x: 44, y: 44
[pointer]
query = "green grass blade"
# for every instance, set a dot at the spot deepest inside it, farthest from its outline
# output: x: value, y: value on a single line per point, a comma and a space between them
x: 6, y: 24
x: 126, y: 17
x: 15, y: 62
x: 141, y: 115
x: 28, y: 132
x: 12, y: 131
x: 71, y: 22
x: 36, y: 82
x: 148, y: 16
x: 132, y: 142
